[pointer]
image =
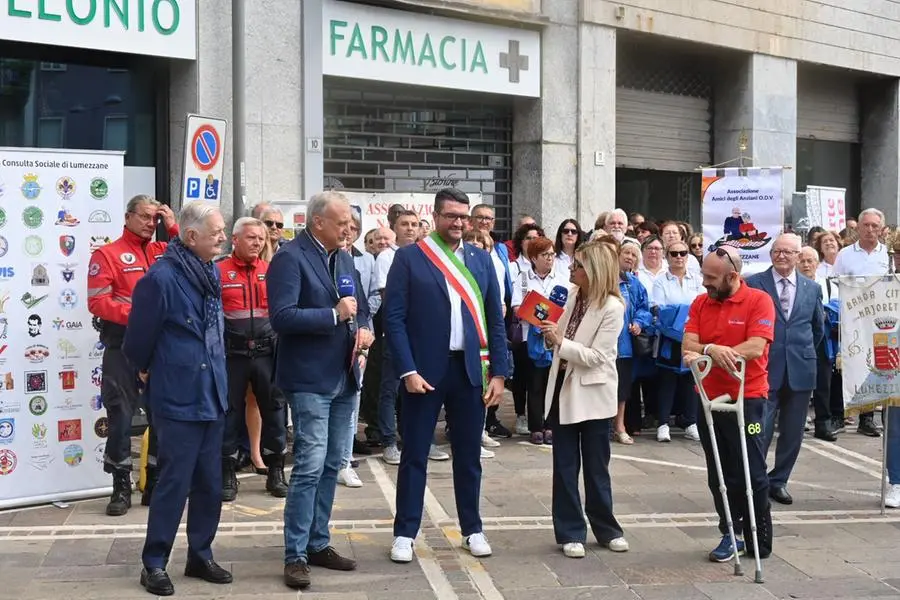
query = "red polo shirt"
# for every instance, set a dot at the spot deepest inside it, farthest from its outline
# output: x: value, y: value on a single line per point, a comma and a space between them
x: 747, y: 313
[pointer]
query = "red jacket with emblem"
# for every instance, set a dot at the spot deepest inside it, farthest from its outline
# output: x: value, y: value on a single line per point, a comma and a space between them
x: 115, y: 269
x: 245, y: 301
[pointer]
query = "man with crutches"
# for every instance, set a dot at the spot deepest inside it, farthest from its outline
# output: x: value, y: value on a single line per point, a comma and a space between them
x: 733, y: 326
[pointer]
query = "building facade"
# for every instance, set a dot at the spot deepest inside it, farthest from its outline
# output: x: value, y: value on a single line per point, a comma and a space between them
x: 553, y: 108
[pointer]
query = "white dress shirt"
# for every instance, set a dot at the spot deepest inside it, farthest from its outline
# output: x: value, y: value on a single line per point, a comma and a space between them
x: 528, y: 281
x: 667, y: 289
x: 383, y: 263
x: 791, y: 288
x: 853, y: 260
x: 563, y: 260
x: 824, y: 270
x: 500, y: 268
x: 457, y: 334
x: 648, y: 277
x: 520, y: 264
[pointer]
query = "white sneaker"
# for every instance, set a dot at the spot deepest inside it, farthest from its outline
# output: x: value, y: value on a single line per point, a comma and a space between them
x: 478, y: 545
x: 485, y: 453
x: 662, y: 434
x: 618, y: 544
x: 402, y: 549
x: 892, y: 498
x: 487, y: 441
x: 391, y: 455
x: 347, y: 476
x: 574, y: 550
x: 522, y: 425
x: 692, y: 433
x: 436, y: 453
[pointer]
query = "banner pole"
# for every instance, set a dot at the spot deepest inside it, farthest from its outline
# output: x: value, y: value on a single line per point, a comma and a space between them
x: 885, y: 418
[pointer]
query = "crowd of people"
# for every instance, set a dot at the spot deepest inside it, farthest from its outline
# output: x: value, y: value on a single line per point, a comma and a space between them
x: 299, y: 341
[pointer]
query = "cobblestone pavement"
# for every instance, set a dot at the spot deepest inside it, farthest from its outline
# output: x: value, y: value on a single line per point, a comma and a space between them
x: 832, y: 542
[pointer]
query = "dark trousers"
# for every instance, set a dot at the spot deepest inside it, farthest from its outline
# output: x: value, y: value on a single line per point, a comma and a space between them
x: 387, y: 397
x: 368, y: 400
x: 729, y: 444
x: 257, y: 371
x: 519, y: 387
x: 633, y: 418
x: 120, y: 395
x: 791, y: 409
x: 836, y: 395
x: 574, y: 445
x: 677, y: 389
x: 464, y: 408
x: 822, y: 394
x: 190, y: 466
x: 647, y: 389
x: 537, y: 392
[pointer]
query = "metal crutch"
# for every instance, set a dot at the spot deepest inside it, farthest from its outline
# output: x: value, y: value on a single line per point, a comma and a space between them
x: 700, y: 368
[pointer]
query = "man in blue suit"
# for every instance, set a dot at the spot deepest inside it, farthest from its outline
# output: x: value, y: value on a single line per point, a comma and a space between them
x: 175, y: 339
x: 323, y: 338
x: 799, y: 329
x: 445, y: 326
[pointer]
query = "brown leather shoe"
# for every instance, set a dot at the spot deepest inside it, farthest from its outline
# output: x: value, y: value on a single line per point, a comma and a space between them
x: 296, y: 575
x: 330, y: 559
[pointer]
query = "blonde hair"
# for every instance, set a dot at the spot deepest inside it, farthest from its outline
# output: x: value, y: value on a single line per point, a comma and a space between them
x: 601, y: 267
x: 479, y: 237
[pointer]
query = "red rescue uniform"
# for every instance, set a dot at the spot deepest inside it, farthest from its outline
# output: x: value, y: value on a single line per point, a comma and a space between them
x: 245, y: 302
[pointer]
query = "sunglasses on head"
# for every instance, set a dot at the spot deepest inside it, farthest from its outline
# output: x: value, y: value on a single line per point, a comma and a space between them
x: 271, y: 224
x: 681, y: 253
x: 721, y: 253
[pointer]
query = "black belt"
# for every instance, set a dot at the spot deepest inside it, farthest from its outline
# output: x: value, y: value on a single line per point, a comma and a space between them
x: 457, y: 354
x: 249, y: 344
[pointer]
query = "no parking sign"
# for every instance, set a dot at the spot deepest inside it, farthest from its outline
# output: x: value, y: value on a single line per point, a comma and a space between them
x: 204, y: 149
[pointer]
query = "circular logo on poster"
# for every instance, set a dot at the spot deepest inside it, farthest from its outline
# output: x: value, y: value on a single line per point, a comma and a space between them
x: 31, y: 189
x: 37, y: 405
x: 33, y: 245
x: 99, y: 188
x: 96, y: 402
x: 33, y: 217
x: 8, y: 461
x: 4, y: 246
x: 2, y: 217
x: 73, y: 454
x: 100, y: 452
x: 101, y: 427
x: 65, y: 187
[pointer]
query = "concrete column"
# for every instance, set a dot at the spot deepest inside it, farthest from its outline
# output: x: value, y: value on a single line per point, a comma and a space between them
x: 596, y: 122
x: 880, y: 153
x: 758, y: 96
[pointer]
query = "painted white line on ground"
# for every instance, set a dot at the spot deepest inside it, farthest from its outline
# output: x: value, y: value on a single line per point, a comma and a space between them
x: 841, y: 450
x: 835, y: 490
x: 429, y: 565
x: 843, y: 461
x: 661, y: 463
x: 433, y: 507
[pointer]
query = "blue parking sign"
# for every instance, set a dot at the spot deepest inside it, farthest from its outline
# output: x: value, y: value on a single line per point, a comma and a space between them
x: 212, y: 189
x: 193, y: 187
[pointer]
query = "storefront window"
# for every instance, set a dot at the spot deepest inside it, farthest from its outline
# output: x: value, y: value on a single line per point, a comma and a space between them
x: 80, y: 106
x: 831, y: 164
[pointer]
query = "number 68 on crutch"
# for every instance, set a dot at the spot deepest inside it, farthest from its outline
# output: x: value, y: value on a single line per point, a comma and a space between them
x: 700, y: 368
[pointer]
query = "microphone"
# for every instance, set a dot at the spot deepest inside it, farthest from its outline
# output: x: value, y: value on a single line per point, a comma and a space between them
x: 346, y: 288
x: 559, y: 295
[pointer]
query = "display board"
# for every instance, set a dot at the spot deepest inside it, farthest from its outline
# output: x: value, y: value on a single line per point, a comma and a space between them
x: 743, y: 208
x: 56, y: 208
x: 825, y: 207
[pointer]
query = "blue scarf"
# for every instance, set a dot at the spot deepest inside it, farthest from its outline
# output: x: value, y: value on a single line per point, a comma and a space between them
x: 201, y: 275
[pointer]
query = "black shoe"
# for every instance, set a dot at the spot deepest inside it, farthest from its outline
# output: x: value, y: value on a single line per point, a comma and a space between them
x: 275, y: 483
x: 867, y: 427
x: 149, y: 485
x: 120, y: 500
x: 780, y: 495
x: 837, y: 425
x: 229, y: 479
x: 296, y: 575
x: 330, y: 559
x: 243, y: 460
x: 361, y: 448
x: 354, y: 464
x: 498, y: 431
x: 157, y: 582
x: 207, y: 570
x: 823, y: 433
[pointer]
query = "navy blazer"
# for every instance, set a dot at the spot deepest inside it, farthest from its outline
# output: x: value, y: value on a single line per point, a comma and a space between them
x: 167, y: 336
x: 417, y: 316
x: 313, y: 353
x: 792, y: 355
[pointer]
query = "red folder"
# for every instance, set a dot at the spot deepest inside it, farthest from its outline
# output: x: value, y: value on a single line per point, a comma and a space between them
x: 536, y: 308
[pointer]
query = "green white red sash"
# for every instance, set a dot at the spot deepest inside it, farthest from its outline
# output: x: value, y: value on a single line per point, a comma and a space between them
x: 460, y: 278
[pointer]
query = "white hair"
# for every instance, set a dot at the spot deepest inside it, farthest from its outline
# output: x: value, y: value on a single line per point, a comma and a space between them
x: 141, y: 199
x: 872, y: 211
x: 245, y: 222
x: 812, y: 251
x: 194, y: 216
x: 793, y: 237
x: 319, y: 203
x: 616, y: 212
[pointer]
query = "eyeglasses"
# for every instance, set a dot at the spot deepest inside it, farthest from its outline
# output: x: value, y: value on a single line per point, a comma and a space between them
x: 785, y: 252
x: 454, y: 217
x: 271, y: 224
x: 722, y: 253
x: 484, y: 218
x: 570, y: 231
x: 681, y: 253
x: 653, y: 248
x: 547, y: 255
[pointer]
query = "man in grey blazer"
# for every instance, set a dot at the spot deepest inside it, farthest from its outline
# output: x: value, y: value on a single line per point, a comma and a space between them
x: 799, y: 329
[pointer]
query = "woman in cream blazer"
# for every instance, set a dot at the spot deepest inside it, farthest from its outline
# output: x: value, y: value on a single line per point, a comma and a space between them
x: 582, y: 399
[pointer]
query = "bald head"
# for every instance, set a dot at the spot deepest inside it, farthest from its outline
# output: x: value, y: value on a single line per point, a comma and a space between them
x: 722, y: 272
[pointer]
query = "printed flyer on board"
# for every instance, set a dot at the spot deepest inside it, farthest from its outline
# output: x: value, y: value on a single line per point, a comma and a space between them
x: 56, y: 208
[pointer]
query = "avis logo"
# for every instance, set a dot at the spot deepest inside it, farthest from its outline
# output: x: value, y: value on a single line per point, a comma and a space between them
x: 7, y: 272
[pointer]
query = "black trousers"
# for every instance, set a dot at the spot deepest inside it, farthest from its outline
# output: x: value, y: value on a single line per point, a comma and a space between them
x: 821, y: 396
x: 522, y: 376
x: 257, y: 371
x: 729, y: 443
x: 537, y: 391
x: 368, y: 400
x: 633, y: 418
x: 120, y: 395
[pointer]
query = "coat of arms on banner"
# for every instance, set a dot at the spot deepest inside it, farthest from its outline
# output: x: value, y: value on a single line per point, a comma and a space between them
x: 884, y: 357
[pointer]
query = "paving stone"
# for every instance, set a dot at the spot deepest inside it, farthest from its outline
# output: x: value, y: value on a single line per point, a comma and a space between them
x: 668, y: 592
x: 842, y: 587
x: 78, y: 553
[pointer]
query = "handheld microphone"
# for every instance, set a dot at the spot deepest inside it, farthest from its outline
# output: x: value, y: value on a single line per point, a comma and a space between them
x: 559, y: 295
x: 346, y: 288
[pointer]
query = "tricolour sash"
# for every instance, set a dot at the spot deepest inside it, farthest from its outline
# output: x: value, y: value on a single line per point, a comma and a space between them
x: 459, y: 276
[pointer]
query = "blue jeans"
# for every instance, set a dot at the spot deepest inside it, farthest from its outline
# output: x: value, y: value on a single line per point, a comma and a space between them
x: 320, y: 437
x: 387, y: 398
x: 893, y: 445
x: 347, y: 456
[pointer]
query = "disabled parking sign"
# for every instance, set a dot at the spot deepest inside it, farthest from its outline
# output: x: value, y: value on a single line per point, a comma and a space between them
x: 204, y: 163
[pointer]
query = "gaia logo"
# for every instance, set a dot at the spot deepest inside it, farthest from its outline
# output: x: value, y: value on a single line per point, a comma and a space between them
x: 31, y: 189
x: 99, y: 188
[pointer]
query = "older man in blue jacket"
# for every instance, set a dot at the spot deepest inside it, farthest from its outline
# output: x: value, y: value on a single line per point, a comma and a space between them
x: 174, y: 338
x: 322, y: 323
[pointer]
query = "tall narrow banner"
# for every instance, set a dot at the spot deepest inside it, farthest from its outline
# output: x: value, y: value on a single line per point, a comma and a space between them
x: 870, y: 341
x: 825, y: 207
x: 743, y: 208
x: 56, y: 207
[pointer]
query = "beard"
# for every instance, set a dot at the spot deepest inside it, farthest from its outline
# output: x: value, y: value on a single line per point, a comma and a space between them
x: 618, y: 235
x: 719, y: 293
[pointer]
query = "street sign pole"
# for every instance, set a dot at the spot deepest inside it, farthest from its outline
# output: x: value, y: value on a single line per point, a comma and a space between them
x: 239, y: 118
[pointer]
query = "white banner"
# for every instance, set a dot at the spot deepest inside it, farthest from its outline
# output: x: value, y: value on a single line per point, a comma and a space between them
x: 56, y: 207
x: 870, y: 341
x: 743, y: 208
x: 825, y: 207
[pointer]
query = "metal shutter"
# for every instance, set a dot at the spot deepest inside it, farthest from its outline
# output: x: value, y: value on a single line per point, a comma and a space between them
x: 827, y: 107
